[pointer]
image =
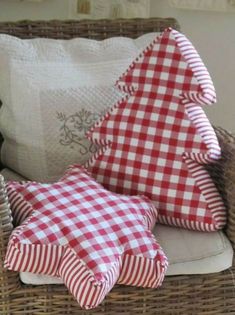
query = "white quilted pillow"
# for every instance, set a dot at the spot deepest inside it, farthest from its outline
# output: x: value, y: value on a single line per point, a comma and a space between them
x: 52, y: 91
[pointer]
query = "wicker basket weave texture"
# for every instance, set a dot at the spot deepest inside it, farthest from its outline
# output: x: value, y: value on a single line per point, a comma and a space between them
x: 189, y: 295
x: 94, y: 29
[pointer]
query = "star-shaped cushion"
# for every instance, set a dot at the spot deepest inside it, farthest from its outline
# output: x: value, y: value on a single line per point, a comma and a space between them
x: 91, y: 238
x: 157, y: 140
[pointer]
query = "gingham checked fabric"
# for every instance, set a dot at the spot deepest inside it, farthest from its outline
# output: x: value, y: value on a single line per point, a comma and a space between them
x: 86, y: 235
x: 157, y: 139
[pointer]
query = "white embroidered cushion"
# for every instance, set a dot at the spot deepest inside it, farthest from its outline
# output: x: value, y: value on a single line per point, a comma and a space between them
x: 52, y: 92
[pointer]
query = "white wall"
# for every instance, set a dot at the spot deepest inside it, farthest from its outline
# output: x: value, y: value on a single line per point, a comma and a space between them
x: 13, y: 10
x: 213, y: 35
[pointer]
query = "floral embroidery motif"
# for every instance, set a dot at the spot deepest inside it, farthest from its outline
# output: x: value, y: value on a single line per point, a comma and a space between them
x: 73, y: 129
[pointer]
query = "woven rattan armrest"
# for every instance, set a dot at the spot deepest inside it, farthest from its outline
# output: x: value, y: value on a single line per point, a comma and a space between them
x: 6, y: 227
x: 224, y: 176
x: 93, y: 29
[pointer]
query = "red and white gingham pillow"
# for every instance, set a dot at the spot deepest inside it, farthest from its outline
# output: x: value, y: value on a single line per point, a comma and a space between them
x: 157, y: 140
x: 91, y: 238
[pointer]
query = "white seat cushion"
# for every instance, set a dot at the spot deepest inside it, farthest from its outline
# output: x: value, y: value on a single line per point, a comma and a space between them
x: 193, y: 252
x: 189, y: 252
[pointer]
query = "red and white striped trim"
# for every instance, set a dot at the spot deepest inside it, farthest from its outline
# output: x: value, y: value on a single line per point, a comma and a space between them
x: 82, y: 284
x: 192, y: 100
x: 152, y: 274
x: 34, y: 258
x: 191, y: 225
x: 210, y: 193
x: 206, y: 131
x: 24, y: 209
x: 207, y: 95
x: 89, y: 292
x: 197, y: 116
x: 195, y: 113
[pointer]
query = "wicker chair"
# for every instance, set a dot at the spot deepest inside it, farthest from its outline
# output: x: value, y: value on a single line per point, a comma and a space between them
x: 194, y: 294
